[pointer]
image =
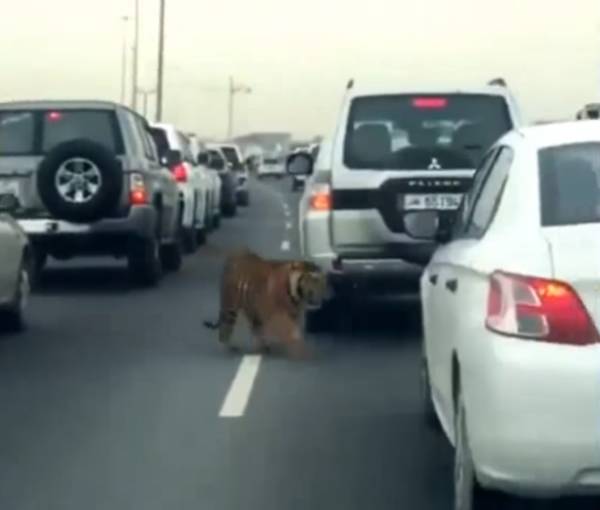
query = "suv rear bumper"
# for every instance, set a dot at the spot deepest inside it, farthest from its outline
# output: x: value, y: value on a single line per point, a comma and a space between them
x: 108, y: 236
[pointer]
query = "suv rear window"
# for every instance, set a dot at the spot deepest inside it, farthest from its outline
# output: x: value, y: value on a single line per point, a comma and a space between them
x: 16, y: 133
x: 99, y: 126
x: 438, y: 132
x: 569, y: 184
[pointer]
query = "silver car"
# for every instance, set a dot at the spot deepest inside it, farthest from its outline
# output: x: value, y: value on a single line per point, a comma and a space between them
x: 393, y: 152
x: 15, y: 265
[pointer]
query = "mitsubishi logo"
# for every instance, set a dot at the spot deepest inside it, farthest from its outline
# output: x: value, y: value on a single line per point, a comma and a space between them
x: 434, y: 165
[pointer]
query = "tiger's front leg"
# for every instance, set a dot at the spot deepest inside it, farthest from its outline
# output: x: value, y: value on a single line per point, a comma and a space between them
x: 291, y: 335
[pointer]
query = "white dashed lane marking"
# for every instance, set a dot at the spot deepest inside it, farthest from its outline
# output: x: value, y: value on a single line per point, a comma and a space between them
x: 239, y: 392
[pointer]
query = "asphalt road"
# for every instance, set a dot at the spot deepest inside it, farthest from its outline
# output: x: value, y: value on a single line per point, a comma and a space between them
x: 112, y: 398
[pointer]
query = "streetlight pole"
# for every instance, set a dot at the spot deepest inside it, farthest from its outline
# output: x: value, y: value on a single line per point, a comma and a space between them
x: 233, y: 90
x: 136, y: 41
x: 124, y: 60
x: 161, y: 62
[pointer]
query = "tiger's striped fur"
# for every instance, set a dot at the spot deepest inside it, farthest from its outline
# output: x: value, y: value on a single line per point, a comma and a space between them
x: 272, y: 295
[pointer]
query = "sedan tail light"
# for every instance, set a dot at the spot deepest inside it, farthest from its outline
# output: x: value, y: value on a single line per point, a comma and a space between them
x: 320, y: 198
x: 538, y: 309
x: 138, y: 194
x: 180, y: 172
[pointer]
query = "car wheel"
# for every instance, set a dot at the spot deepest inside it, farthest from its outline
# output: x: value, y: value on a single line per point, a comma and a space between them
x: 171, y: 255
x: 13, y: 317
x: 190, y: 240
x: 429, y: 414
x: 230, y: 210
x: 468, y: 494
x: 80, y: 181
x: 144, y: 262
x: 320, y: 319
x: 244, y: 199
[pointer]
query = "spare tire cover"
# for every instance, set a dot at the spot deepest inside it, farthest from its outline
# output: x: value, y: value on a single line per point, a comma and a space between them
x: 80, y: 181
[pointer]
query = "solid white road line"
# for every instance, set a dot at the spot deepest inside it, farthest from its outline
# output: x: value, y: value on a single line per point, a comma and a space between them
x: 237, y: 397
x: 285, y: 246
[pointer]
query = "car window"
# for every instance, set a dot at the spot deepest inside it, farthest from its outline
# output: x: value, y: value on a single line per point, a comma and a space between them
x: 17, y: 133
x: 402, y: 132
x: 147, y: 144
x: 100, y: 126
x: 569, y: 184
x: 186, y: 149
x: 232, y: 157
x: 487, y: 201
x: 466, y: 207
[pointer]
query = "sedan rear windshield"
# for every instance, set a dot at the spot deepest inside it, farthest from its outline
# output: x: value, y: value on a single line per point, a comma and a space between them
x: 38, y: 131
x: 570, y: 184
x: 437, y: 132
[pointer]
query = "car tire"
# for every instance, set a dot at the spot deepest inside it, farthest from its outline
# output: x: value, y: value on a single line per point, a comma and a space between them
x: 428, y: 409
x: 230, y: 210
x: 243, y: 199
x: 320, y: 319
x: 95, y: 176
x: 468, y: 493
x: 190, y: 240
x: 13, y: 317
x: 171, y: 256
x: 145, y: 263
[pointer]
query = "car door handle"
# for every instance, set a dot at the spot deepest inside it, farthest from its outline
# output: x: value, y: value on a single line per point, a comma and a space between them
x: 452, y: 285
x: 433, y: 279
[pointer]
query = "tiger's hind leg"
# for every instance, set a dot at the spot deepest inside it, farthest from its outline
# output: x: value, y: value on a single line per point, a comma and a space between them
x: 260, y: 339
x: 228, y: 319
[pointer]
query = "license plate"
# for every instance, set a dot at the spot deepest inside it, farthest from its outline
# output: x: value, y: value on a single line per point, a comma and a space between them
x: 439, y: 201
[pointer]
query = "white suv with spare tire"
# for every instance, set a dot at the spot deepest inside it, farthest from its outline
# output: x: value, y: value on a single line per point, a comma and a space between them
x: 89, y: 182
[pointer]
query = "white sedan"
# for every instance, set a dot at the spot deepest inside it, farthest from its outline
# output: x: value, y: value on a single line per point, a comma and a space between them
x: 511, y: 310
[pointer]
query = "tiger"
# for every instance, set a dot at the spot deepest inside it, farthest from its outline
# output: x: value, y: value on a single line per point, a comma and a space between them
x: 272, y: 294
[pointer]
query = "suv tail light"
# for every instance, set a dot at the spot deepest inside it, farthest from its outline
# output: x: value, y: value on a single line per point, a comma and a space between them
x: 180, y: 172
x: 320, y: 198
x: 138, y: 194
x: 539, y: 309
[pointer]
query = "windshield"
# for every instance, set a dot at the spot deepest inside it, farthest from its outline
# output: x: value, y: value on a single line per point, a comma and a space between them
x: 570, y: 184
x: 232, y: 157
x: 161, y: 140
x: 403, y: 132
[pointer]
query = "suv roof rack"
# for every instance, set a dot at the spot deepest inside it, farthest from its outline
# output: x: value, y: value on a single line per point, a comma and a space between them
x: 499, y: 82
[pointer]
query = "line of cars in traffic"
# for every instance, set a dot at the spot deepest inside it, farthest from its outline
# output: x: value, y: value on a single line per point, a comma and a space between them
x: 498, y: 225
x: 95, y: 178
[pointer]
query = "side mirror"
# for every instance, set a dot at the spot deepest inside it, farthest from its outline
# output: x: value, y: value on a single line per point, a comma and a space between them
x: 171, y: 157
x: 9, y: 203
x: 299, y: 163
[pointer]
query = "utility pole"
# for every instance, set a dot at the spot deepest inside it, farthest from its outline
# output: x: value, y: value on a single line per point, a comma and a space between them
x: 161, y: 62
x: 145, y: 93
x: 136, y: 45
x: 233, y: 90
x: 124, y: 60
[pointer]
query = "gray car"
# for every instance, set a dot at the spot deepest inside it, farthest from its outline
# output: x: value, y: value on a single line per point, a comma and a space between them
x: 15, y: 266
x: 89, y: 182
x: 394, y: 152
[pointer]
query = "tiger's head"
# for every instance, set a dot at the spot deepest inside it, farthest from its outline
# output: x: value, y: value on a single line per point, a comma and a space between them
x: 308, y: 283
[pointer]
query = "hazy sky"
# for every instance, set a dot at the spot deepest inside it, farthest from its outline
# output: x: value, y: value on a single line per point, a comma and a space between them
x: 298, y: 55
